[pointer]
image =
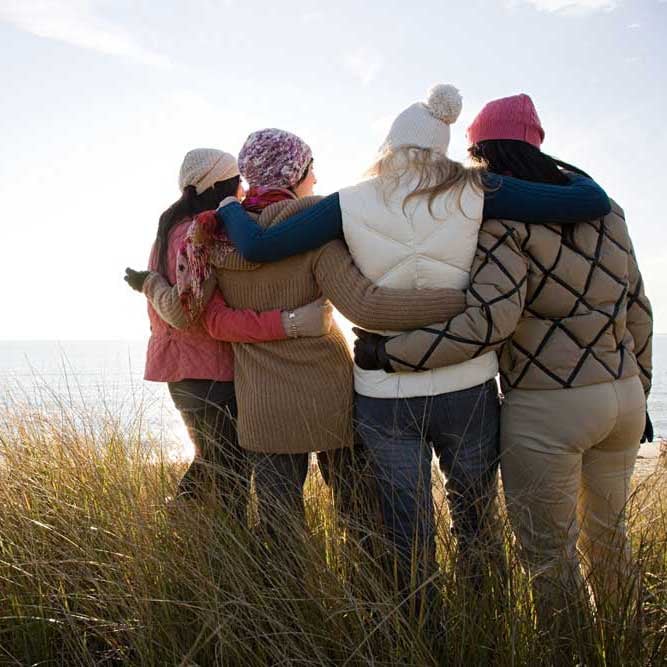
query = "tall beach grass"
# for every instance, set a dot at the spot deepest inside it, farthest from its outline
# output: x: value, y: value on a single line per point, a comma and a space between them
x: 97, y: 569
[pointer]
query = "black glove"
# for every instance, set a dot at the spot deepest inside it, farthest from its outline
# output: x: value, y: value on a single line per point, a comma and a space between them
x: 369, y: 353
x: 136, y: 279
x: 648, y: 430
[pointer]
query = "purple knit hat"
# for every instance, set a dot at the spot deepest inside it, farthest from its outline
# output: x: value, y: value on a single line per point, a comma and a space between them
x: 274, y: 158
x: 508, y: 118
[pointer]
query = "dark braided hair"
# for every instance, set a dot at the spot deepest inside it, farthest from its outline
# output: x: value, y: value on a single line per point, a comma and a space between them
x: 188, y: 206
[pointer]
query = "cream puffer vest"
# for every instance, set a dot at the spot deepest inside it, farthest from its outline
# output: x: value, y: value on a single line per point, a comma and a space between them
x: 414, y: 249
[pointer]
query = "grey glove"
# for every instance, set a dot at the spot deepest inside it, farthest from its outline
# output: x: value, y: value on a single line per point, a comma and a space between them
x: 136, y: 279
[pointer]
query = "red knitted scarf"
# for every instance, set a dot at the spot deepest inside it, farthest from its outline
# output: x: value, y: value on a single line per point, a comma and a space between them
x: 258, y: 198
x: 204, y: 246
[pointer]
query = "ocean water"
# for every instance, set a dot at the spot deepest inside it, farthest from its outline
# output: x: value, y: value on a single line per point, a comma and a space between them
x: 107, y: 377
x: 93, y: 379
x: 658, y: 399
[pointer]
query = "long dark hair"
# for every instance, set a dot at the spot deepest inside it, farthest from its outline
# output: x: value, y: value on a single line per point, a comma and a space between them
x: 188, y: 206
x: 523, y: 160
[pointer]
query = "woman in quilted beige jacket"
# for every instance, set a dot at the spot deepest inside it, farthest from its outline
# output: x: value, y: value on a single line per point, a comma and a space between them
x: 566, y: 308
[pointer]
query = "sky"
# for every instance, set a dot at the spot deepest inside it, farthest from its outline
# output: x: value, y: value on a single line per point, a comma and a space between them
x: 102, y: 98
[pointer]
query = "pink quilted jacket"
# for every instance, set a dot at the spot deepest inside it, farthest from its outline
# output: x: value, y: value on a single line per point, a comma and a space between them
x: 192, y: 353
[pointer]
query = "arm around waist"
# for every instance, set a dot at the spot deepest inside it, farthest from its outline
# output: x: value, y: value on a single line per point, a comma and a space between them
x: 373, y: 307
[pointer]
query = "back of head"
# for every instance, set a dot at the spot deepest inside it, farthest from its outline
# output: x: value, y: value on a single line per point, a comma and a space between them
x: 273, y: 158
x: 505, y: 138
x: 426, y: 124
x: 416, y: 148
x: 203, y: 167
x: 206, y: 176
x: 513, y: 118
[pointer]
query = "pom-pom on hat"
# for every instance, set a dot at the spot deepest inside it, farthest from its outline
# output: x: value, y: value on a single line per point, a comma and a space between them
x: 274, y: 158
x: 426, y: 124
x: 512, y: 117
x: 203, y: 167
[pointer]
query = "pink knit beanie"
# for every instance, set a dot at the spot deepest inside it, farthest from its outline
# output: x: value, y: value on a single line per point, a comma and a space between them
x: 274, y: 158
x: 508, y: 118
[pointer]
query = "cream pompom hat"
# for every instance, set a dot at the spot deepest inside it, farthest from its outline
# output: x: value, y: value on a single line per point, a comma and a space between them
x: 426, y: 124
x: 203, y: 167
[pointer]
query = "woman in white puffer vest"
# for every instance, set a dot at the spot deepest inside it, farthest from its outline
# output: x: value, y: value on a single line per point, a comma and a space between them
x: 414, y: 224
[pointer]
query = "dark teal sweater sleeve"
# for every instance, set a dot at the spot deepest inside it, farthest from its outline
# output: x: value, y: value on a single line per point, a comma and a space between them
x: 506, y: 198
x: 541, y: 203
x: 306, y: 230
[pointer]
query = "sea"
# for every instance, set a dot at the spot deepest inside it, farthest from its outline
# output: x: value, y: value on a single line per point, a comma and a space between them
x: 106, y: 377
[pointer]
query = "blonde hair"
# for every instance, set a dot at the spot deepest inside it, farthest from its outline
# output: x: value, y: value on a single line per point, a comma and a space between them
x: 435, y: 173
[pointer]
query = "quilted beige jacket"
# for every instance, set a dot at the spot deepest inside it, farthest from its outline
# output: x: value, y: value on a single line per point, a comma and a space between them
x: 564, y: 308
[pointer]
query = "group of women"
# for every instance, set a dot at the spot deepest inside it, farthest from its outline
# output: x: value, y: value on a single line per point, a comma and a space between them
x: 518, y: 265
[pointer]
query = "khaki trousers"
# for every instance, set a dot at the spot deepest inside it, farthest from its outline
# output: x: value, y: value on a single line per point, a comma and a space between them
x: 567, y: 458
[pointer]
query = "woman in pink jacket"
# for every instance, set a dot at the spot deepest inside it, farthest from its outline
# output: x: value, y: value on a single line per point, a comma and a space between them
x: 198, y: 363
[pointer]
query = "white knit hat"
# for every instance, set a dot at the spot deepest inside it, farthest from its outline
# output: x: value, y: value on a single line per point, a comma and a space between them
x: 203, y: 167
x: 426, y: 124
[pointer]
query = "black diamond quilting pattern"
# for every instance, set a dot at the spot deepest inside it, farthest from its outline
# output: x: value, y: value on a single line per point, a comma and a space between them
x: 579, y: 291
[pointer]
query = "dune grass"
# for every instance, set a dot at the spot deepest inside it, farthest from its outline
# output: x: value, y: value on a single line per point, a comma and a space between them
x: 96, y: 569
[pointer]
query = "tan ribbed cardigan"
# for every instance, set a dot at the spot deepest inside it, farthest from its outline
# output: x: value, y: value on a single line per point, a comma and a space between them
x: 296, y: 395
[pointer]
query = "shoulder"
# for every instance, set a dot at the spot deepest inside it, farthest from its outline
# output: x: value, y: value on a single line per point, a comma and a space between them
x: 332, y: 249
x: 504, y: 243
x: 616, y: 210
x: 178, y: 234
x: 502, y: 229
x: 616, y: 217
x: 175, y: 240
x: 358, y: 189
x: 616, y: 228
x: 470, y: 200
x: 282, y: 210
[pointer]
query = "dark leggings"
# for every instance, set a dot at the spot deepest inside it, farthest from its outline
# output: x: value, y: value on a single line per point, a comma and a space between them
x: 279, y: 481
x: 220, y: 466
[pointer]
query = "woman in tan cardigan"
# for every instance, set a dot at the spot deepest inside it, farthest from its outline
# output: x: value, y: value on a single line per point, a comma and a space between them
x: 295, y: 396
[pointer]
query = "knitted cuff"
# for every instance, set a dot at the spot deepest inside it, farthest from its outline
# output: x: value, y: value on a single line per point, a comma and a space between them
x: 152, y: 280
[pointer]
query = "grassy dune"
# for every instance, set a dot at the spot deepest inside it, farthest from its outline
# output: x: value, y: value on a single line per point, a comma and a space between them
x: 96, y: 570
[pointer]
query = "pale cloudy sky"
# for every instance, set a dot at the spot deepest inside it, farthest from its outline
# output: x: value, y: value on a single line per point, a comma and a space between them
x: 101, y: 99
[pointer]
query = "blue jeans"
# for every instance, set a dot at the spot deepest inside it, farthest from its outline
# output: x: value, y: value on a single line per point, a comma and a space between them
x: 400, y: 436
